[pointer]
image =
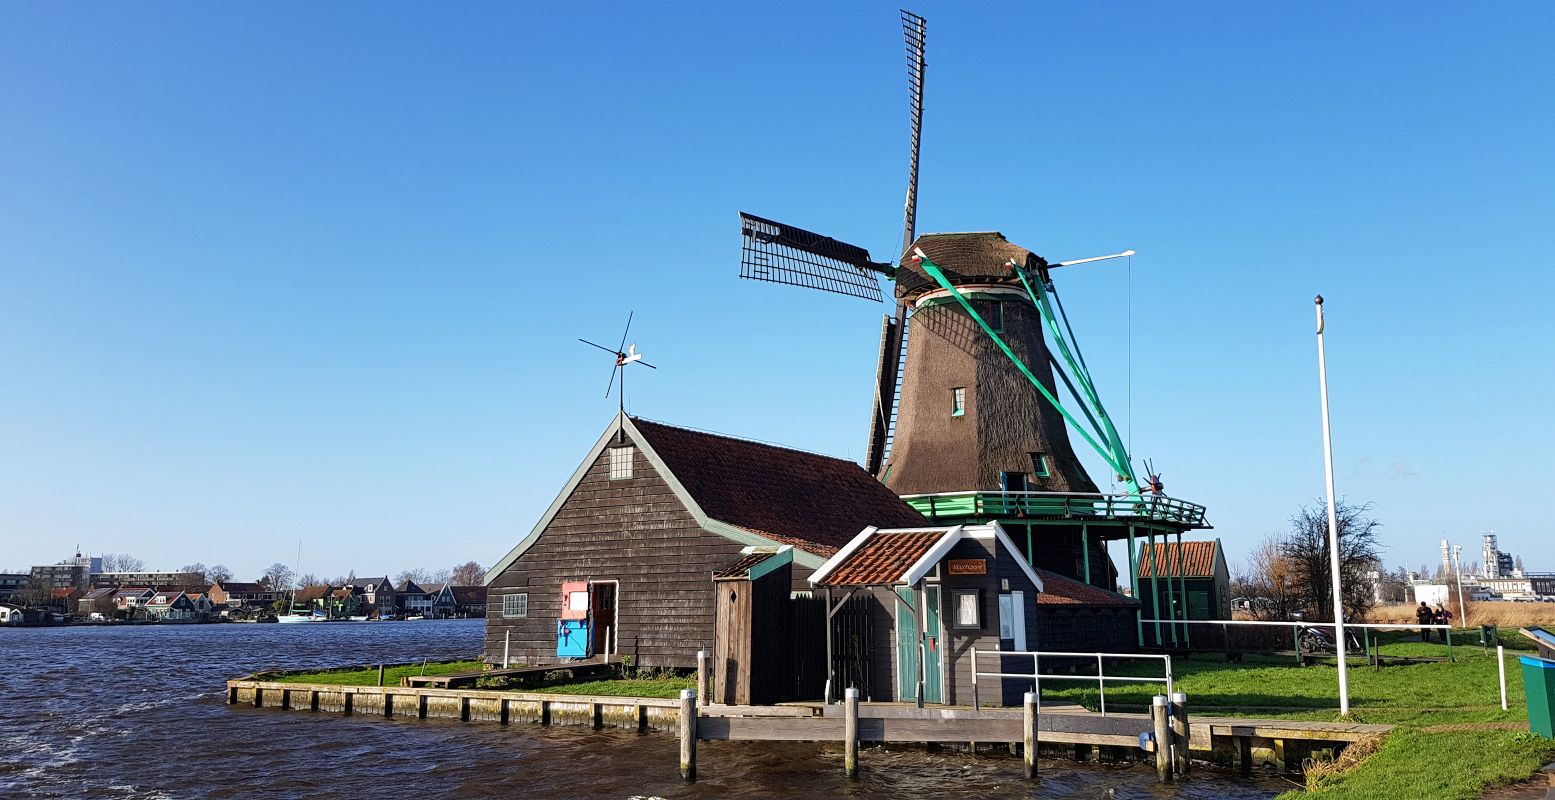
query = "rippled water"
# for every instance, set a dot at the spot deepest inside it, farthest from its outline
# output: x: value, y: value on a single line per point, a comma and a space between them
x: 139, y: 712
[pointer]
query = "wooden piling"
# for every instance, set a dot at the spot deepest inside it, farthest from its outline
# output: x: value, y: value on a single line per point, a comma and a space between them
x: 545, y: 712
x: 388, y: 704
x: 232, y: 695
x: 1179, y: 706
x: 1162, y: 730
x: 702, y: 677
x: 259, y: 700
x: 1032, y: 743
x: 380, y: 674
x: 850, y: 732
x: 688, y: 734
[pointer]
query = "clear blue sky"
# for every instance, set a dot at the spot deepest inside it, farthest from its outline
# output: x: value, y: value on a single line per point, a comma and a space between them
x: 286, y: 272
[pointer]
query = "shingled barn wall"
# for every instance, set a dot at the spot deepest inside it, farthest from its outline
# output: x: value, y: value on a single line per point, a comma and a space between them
x: 1086, y: 629
x: 635, y: 531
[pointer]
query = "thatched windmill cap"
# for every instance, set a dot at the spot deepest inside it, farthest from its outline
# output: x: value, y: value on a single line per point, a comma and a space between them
x: 978, y: 257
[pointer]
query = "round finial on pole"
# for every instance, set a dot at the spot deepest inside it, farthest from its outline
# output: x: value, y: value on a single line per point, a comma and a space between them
x: 1319, y: 300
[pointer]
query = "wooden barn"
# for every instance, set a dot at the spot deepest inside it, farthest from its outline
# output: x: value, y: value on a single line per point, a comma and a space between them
x: 623, y: 561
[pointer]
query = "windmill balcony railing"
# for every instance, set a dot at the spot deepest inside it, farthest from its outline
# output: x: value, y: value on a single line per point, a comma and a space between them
x: 1059, y: 505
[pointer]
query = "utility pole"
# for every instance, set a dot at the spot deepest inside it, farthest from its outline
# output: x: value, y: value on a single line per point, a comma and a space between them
x: 1333, y: 519
x: 1457, y: 569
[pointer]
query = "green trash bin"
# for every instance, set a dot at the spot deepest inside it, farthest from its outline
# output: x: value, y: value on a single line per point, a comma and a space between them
x: 1539, y: 687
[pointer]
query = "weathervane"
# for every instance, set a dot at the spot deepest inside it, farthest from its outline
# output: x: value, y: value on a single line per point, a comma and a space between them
x: 624, y: 358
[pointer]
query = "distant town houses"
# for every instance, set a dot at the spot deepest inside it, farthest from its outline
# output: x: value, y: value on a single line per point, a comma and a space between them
x: 117, y: 589
x: 239, y: 594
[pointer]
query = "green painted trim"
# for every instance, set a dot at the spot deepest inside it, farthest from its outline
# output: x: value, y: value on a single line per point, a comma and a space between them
x: 1077, y: 366
x: 782, y: 558
x: 1182, y: 581
x: 1155, y: 586
x: 939, y: 277
x: 1085, y: 548
x: 1133, y: 586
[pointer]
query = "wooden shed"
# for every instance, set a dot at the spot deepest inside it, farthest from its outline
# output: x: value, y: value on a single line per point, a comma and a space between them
x: 1187, y: 580
x: 754, y: 633
x: 947, y: 592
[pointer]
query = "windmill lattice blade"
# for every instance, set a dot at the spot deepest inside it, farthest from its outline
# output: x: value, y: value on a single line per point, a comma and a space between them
x: 777, y: 253
x: 646, y: 364
x: 600, y: 346
x: 627, y: 331
x: 915, y: 30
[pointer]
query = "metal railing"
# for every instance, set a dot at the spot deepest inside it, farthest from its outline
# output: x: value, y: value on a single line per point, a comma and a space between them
x: 1101, y: 677
x: 1297, y: 627
x: 1079, y: 505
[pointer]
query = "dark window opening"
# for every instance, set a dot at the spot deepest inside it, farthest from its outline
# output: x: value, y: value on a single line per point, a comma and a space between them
x: 1012, y: 481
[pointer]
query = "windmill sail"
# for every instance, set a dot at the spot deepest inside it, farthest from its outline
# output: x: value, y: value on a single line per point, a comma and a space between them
x: 893, y: 337
x: 777, y: 253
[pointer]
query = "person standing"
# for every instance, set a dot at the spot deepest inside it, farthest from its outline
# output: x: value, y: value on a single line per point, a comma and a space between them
x: 1445, y: 618
x: 1424, y: 616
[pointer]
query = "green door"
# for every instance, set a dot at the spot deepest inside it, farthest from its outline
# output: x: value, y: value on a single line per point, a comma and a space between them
x: 911, y: 643
x: 906, y: 645
x: 931, y: 648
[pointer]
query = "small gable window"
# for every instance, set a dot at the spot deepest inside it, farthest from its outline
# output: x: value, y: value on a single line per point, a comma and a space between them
x: 1039, y: 465
x: 620, y: 463
x: 996, y: 316
x: 957, y: 401
x: 515, y: 606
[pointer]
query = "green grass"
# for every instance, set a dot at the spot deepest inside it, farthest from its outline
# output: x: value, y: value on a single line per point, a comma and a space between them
x: 1419, y: 760
x: 369, y: 676
x: 635, y: 687
x: 641, y: 687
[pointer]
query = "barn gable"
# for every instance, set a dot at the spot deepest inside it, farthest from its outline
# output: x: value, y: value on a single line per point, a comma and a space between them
x: 632, y: 525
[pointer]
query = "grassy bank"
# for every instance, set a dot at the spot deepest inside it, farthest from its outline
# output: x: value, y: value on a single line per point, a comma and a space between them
x: 1451, y: 740
x: 659, y: 686
x: 369, y: 676
x: 1508, y: 615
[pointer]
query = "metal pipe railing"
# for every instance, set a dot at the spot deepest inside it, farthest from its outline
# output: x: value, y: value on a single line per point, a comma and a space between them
x: 1036, y: 675
x: 1297, y: 626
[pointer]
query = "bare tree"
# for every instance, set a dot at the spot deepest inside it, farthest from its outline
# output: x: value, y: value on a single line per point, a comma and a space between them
x: 1305, y: 548
x: 122, y: 562
x: 277, y: 576
x: 35, y: 592
x: 1518, y: 565
x: 307, y: 579
x: 200, y: 573
x: 416, y: 576
x: 439, y: 576
x: 218, y: 574
x: 1266, y: 580
x: 469, y: 574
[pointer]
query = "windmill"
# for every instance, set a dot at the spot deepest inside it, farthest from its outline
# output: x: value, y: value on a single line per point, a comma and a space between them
x: 968, y: 424
x: 779, y: 253
x: 623, y: 359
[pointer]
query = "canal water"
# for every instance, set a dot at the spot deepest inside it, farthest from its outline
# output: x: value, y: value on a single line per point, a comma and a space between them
x: 139, y: 712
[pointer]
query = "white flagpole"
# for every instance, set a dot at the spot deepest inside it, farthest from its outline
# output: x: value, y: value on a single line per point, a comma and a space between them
x: 1333, y: 519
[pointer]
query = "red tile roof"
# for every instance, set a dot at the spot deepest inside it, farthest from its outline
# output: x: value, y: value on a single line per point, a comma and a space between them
x: 883, y: 559
x: 1058, y: 590
x: 1194, y: 560
x: 815, y: 503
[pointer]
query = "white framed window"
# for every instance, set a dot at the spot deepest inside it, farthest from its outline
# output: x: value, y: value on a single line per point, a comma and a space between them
x: 957, y: 401
x: 515, y: 606
x: 620, y: 463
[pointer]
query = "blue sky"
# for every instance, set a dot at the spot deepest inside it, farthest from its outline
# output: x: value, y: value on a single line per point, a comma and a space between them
x: 298, y: 272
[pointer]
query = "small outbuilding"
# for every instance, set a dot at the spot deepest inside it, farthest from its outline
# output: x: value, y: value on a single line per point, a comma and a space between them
x: 936, y: 595
x: 1184, y: 580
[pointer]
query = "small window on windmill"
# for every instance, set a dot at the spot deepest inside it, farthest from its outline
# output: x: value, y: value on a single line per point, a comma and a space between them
x: 620, y: 463
x: 957, y: 401
x: 1039, y: 465
x: 996, y: 316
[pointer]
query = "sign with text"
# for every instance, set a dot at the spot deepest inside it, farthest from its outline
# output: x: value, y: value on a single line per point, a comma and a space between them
x: 968, y: 566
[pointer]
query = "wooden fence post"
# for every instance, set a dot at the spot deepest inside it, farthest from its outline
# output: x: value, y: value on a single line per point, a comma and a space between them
x: 688, y: 734
x: 380, y: 674
x: 702, y: 691
x: 1032, y: 742
x: 850, y: 732
x: 507, y: 638
x: 1163, y: 738
x: 1179, y: 707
